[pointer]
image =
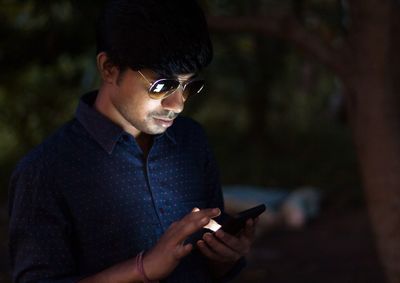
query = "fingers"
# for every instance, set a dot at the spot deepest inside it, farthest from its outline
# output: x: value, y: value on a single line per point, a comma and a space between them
x: 183, y: 250
x: 206, y: 250
x: 193, y: 222
x: 218, y: 256
x: 233, y: 242
x: 198, y: 214
x: 249, y: 230
x: 242, y: 242
x: 211, y: 247
x: 223, y: 248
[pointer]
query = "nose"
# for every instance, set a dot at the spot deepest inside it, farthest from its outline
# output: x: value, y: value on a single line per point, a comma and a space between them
x: 175, y: 102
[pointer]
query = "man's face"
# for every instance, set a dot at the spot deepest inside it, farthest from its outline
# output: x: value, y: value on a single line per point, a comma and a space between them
x: 147, y: 115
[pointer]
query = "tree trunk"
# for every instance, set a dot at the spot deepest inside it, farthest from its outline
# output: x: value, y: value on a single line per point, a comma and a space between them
x: 374, y: 119
x: 369, y: 65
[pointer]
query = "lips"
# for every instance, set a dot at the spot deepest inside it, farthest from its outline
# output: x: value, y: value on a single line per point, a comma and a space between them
x: 164, y: 122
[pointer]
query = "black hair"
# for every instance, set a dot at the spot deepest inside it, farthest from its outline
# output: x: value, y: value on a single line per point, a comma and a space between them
x: 169, y: 37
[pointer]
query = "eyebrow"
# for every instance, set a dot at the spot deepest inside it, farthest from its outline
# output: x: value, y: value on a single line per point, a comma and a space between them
x: 194, y: 76
x: 191, y: 77
x: 158, y: 77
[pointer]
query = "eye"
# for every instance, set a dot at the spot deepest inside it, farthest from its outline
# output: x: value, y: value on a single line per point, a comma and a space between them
x: 163, y: 85
x: 158, y: 87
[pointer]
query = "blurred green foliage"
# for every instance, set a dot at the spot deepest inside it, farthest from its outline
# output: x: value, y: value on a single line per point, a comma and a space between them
x: 273, y: 116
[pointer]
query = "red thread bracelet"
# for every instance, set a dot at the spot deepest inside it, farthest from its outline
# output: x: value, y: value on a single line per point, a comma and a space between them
x: 139, y: 264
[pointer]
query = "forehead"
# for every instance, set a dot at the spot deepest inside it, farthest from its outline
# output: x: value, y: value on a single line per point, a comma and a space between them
x: 185, y: 77
x: 155, y: 76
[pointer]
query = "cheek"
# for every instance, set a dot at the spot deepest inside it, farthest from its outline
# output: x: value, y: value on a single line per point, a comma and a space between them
x: 135, y: 101
x: 144, y: 108
x: 131, y: 98
x: 149, y: 105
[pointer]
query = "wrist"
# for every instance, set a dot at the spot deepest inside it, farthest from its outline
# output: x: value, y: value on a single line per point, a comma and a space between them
x: 141, y: 270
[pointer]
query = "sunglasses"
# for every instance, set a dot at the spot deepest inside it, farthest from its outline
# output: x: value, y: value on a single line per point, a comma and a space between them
x: 162, y: 88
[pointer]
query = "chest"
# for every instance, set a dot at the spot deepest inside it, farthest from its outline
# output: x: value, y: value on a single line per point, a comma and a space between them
x: 125, y: 199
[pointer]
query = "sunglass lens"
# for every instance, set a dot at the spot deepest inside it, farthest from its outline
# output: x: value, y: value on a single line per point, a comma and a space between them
x: 193, y: 88
x: 162, y: 88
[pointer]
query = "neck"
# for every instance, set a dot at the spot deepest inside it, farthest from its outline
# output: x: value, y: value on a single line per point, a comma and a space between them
x: 104, y: 105
x: 145, y: 142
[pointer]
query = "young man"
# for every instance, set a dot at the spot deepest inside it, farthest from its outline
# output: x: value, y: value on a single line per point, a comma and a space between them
x: 109, y: 196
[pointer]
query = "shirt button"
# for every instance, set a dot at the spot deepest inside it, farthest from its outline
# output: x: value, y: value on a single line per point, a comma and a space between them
x: 161, y: 210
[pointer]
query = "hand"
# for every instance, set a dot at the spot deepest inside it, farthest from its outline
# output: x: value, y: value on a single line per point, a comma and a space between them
x: 224, y: 249
x: 162, y: 259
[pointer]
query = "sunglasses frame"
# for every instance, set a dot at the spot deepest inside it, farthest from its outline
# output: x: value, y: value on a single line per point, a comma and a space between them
x: 159, y: 96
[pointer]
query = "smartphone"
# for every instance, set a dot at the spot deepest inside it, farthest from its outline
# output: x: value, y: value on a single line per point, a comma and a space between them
x: 231, y: 224
x: 234, y: 224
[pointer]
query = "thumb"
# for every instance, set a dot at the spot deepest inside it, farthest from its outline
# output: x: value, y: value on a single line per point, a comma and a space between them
x: 183, y: 250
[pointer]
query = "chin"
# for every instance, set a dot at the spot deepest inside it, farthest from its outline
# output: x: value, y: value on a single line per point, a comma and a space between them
x: 155, y: 131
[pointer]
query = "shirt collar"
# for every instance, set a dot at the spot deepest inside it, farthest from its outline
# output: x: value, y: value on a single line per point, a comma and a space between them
x: 169, y: 133
x: 103, y: 130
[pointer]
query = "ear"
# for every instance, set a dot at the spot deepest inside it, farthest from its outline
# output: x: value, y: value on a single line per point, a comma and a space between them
x: 108, y: 71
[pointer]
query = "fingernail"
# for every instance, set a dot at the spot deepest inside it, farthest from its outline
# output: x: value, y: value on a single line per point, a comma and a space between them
x: 216, y: 210
x: 207, y: 236
x: 195, y: 209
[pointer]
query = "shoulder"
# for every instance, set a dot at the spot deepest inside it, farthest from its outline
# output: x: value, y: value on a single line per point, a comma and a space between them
x: 41, y: 160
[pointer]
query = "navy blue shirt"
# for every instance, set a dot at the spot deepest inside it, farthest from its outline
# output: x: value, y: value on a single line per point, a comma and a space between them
x: 87, y: 198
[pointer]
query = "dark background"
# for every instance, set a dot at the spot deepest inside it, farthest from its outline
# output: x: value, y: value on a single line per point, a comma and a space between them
x: 275, y: 108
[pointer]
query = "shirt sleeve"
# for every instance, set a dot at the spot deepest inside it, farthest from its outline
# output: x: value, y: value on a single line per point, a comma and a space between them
x: 40, y: 243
